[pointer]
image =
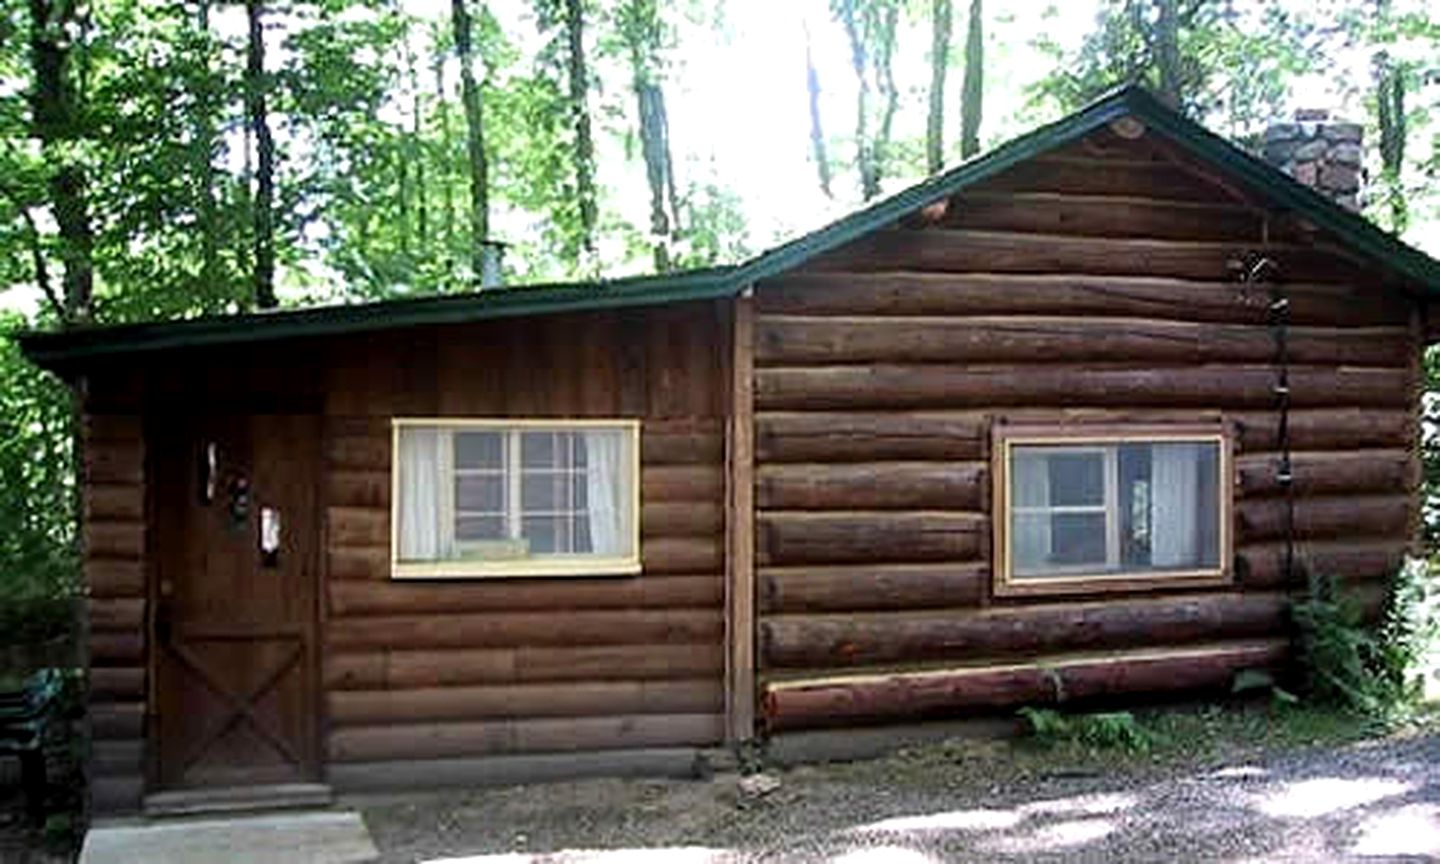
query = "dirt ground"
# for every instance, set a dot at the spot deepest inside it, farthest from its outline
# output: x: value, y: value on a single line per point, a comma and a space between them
x: 1217, y: 796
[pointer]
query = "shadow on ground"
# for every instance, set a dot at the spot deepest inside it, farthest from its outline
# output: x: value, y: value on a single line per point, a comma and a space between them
x: 1368, y: 802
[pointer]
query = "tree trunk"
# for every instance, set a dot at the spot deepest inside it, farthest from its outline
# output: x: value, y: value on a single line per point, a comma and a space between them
x: 446, y: 218
x: 1390, y: 116
x: 864, y: 156
x: 415, y: 152
x: 972, y: 93
x: 939, y: 64
x: 584, y: 138
x: 474, y: 137
x: 655, y: 148
x: 1167, y: 51
x: 206, y: 142
x: 259, y: 123
x: 817, y: 133
x: 885, y: 86
x: 55, y: 120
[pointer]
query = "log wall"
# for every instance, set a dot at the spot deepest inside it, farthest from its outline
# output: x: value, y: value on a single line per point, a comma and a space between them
x: 115, y: 567
x: 1089, y: 286
x: 473, y: 668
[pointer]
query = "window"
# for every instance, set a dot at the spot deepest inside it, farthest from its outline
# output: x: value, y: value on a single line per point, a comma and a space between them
x: 515, y: 498
x: 1082, y: 511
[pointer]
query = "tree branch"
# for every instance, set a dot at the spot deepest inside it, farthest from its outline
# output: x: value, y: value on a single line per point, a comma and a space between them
x: 37, y: 253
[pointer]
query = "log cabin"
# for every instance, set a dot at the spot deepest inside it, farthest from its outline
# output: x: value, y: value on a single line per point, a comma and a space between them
x: 1071, y: 420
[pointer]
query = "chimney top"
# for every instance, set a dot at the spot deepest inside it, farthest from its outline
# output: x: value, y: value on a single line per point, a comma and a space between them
x: 1320, y: 152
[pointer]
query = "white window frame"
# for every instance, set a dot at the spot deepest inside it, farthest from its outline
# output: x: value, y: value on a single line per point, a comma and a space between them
x: 557, y: 564
x: 1084, y: 579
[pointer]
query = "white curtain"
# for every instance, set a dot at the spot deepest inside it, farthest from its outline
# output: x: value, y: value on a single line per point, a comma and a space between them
x: 1175, y: 507
x: 1030, y: 487
x: 420, y: 469
x: 607, y: 476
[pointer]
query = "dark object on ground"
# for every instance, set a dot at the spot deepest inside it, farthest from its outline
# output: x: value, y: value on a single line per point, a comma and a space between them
x: 26, y: 712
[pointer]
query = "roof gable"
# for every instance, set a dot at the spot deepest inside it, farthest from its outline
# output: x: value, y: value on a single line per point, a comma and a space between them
x: 1351, y: 230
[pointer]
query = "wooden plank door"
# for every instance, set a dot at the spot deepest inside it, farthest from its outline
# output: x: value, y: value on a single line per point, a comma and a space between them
x: 235, y: 625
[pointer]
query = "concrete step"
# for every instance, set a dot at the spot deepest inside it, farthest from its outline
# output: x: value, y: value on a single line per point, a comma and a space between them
x: 238, y: 799
x: 302, y: 838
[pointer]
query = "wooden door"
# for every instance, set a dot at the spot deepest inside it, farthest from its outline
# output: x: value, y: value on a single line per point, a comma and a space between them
x: 235, y: 624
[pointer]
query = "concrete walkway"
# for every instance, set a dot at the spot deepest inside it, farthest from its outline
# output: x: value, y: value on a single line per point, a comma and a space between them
x: 285, y: 838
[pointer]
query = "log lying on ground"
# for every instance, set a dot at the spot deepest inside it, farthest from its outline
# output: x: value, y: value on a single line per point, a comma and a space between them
x: 788, y: 537
x: 379, y: 668
x: 350, y: 598
x: 569, y: 699
x: 955, y: 250
x: 788, y: 340
x: 439, y: 740
x: 1262, y: 565
x: 874, y: 486
x: 1321, y: 518
x: 1321, y: 473
x: 904, y: 292
x: 955, y: 386
x: 870, y: 698
x: 817, y: 642
x: 840, y: 437
x: 873, y: 587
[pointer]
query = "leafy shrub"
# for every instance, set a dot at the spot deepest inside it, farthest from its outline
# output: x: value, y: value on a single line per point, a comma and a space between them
x: 1374, y: 671
x: 38, y: 566
x: 1101, y: 731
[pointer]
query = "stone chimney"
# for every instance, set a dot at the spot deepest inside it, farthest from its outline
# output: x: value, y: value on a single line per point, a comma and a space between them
x: 1319, y: 152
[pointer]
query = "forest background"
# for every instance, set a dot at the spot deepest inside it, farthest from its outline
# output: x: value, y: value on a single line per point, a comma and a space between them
x: 162, y: 159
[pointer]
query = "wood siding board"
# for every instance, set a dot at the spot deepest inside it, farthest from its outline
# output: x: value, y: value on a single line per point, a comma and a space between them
x: 740, y: 530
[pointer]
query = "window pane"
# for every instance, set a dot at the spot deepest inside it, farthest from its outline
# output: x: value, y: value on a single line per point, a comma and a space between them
x: 1184, y: 508
x: 580, y: 531
x: 542, y: 491
x: 480, y: 492
x: 479, y: 450
x: 537, y: 449
x: 1076, y: 479
x: 1077, y: 538
x: 480, y: 528
x: 543, y: 532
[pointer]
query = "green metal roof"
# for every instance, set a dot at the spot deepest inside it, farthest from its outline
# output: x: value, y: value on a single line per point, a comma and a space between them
x: 71, y: 347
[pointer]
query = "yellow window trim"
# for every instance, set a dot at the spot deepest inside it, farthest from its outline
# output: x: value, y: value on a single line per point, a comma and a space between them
x: 1006, y: 438
x: 540, y: 566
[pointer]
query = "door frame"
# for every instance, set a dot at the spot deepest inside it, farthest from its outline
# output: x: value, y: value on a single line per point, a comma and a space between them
x: 157, y: 426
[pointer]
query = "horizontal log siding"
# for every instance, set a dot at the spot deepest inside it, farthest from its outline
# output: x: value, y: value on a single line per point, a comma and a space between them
x: 1072, y: 290
x: 115, y: 556
x: 475, y: 667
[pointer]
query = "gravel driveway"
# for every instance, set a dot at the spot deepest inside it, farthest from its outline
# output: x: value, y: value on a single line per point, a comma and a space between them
x: 1372, y: 801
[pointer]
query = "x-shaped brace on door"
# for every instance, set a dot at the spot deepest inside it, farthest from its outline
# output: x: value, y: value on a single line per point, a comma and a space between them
x: 241, y: 707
